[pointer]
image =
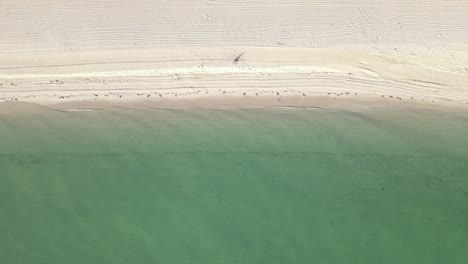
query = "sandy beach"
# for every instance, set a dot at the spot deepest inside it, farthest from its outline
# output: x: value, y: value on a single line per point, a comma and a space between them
x: 297, y: 54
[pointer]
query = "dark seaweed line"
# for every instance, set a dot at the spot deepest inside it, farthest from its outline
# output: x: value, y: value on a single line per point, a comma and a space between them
x: 264, y: 153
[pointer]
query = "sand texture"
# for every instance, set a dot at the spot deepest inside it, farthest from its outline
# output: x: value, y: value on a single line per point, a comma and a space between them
x: 67, y: 51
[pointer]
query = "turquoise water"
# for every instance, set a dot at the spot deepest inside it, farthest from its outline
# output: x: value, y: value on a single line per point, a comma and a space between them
x: 245, y: 186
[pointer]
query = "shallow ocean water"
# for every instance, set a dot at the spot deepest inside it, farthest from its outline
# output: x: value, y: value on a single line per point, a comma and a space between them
x: 234, y: 186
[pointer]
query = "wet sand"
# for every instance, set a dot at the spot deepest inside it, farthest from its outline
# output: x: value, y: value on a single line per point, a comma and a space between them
x: 265, y: 76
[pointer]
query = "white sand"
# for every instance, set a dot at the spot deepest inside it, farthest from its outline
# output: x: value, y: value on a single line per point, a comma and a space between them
x: 68, y: 51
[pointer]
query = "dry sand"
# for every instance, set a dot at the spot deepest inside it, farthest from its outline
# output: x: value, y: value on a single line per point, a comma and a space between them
x: 236, y: 53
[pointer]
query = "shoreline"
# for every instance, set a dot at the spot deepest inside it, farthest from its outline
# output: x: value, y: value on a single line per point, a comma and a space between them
x: 350, y: 103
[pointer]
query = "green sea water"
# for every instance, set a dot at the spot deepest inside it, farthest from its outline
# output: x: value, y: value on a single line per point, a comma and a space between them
x: 225, y: 186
